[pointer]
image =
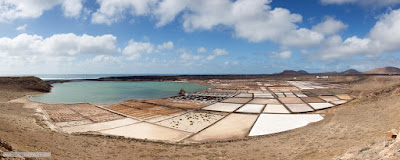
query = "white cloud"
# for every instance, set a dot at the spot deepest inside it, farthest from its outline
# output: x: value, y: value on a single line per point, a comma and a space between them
x: 384, y: 37
x: 282, y: 55
x: 301, y: 38
x: 134, y: 50
x: 190, y: 57
x: 349, y: 47
x: 253, y: 20
x: 202, y: 50
x: 72, y: 8
x: 387, y: 31
x: 167, y: 10
x: 55, y: 54
x: 19, y: 9
x: 166, y: 45
x: 105, y: 59
x: 11, y: 9
x: 58, y: 44
x: 217, y: 52
x: 22, y: 28
x: 220, y: 52
x: 329, y: 26
x: 69, y: 53
x: 112, y: 11
x: 363, y: 2
x: 231, y: 63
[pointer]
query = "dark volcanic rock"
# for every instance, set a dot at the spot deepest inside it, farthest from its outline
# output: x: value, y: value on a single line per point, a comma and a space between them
x: 289, y: 72
x: 303, y: 72
x: 350, y: 71
x: 24, y: 83
x: 331, y: 73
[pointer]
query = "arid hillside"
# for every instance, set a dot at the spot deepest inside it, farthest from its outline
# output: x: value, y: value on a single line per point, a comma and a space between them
x: 385, y: 70
x: 24, y: 83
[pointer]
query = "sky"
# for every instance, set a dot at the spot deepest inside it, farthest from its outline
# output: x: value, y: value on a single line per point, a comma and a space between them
x: 197, y: 36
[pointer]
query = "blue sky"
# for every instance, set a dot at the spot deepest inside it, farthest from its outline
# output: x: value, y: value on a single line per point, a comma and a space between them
x: 197, y: 36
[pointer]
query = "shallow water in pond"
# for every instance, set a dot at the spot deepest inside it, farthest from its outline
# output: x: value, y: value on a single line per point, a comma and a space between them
x: 103, y: 92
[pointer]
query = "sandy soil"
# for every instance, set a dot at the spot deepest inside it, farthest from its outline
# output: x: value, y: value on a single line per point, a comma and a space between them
x: 357, y: 124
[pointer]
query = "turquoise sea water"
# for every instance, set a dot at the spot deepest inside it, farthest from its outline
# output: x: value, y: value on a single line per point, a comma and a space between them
x: 103, y: 92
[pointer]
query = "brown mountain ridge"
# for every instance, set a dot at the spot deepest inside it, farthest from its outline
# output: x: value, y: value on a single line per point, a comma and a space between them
x: 385, y: 70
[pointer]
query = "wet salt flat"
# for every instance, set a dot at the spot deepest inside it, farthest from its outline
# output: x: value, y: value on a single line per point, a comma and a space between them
x: 275, y: 123
x: 251, y: 109
x: 237, y: 100
x: 234, y: 126
x: 99, y: 126
x: 244, y: 95
x: 275, y: 108
x: 223, y: 107
x: 298, y: 108
x: 147, y: 131
x: 291, y: 100
x: 264, y: 101
x: 321, y: 105
x: 329, y: 98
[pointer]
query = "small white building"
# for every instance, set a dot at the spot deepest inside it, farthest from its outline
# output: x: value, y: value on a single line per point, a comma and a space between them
x: 322, y: 77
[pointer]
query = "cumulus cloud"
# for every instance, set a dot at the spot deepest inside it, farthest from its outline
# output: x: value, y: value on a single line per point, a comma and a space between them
x: 282, y: 55
x: 227, y: 63
x: 336, y: 48
x: 166, y: 45
x: 202, y: 50
x: 187, y: 58
x: 72, y: 8
x: 58, y: 44
x: 22, y: 28
x: 255, y: 20
x: 384, y: 37
x: 329, y: 26
x: 113, y: 11
x: 69, y: 53
x: 105, y: 59
x: 217, y: 52
x: 134, y: 50
x: 190, y: 57
x: 363, y: 2
x: 387, y: 31
x: 167, y: 10
x: 55, y: 54
x: 17, y: 9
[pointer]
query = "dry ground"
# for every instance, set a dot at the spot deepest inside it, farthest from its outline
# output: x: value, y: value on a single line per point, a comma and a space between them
x: 360, y: 123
